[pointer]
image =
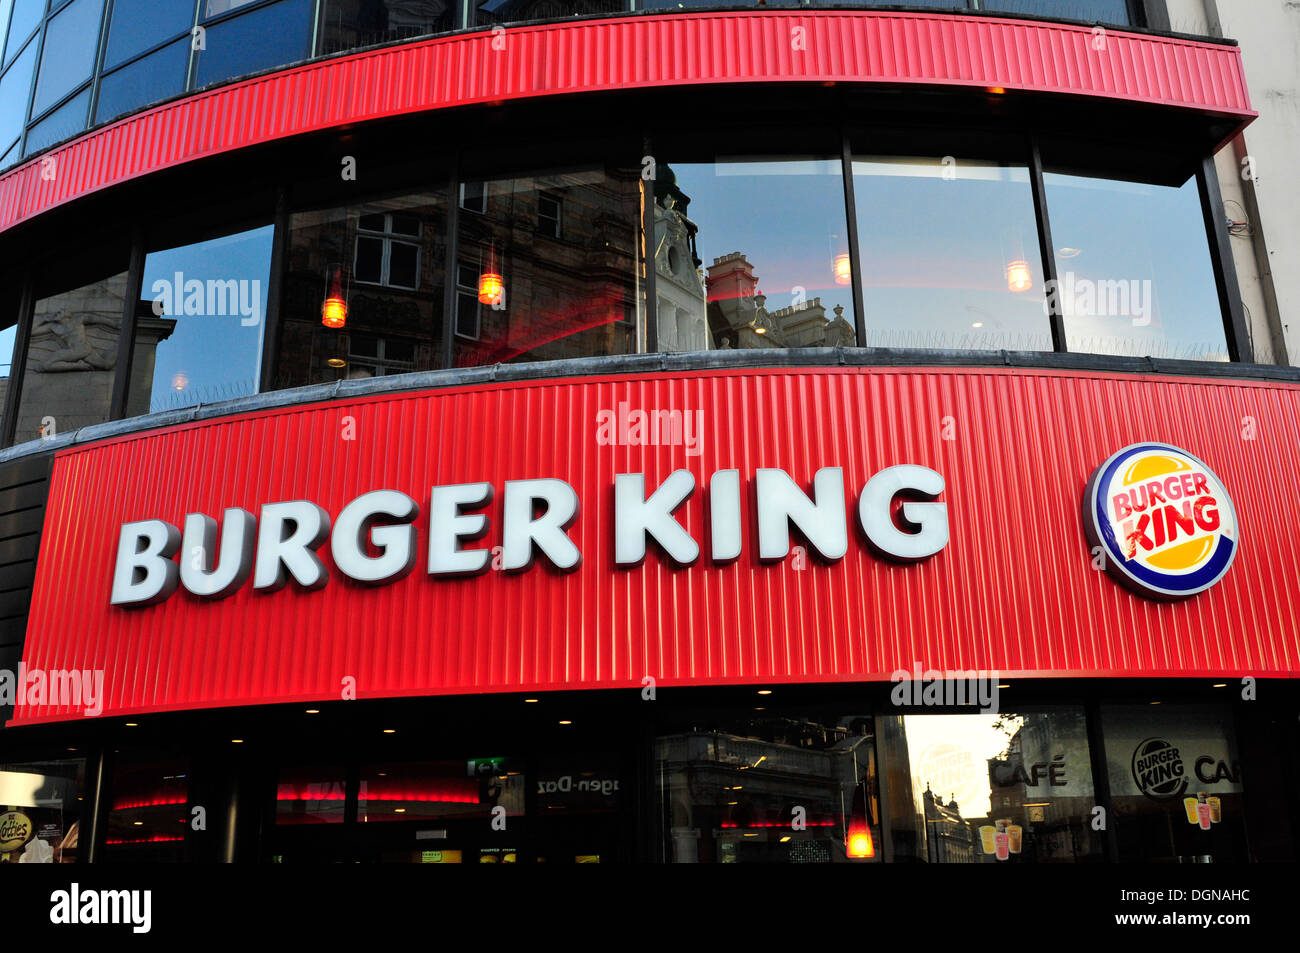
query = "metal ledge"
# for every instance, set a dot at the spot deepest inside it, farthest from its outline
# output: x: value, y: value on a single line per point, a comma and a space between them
x: 632, y: 364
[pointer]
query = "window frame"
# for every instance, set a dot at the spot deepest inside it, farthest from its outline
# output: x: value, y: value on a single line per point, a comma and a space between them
x: 387, y: 238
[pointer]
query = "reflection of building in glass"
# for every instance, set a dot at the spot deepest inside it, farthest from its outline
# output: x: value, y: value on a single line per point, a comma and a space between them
x: 565, y: 246
x: 1042, y: 783
x: 730, y: 799
x: 738, y: 316
x: 72, y: 351
x: 949, y: 840
x: 678, y: 285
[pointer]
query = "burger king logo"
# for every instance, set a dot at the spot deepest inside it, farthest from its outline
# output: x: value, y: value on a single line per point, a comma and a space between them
x: 1164, y: 521
x: 1158, y: 769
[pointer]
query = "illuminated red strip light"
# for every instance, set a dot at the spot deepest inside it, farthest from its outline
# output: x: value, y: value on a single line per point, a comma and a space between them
x: 156, y: 839
x: 765, y: 824
x: 149, y: 802
x: 446, y: 796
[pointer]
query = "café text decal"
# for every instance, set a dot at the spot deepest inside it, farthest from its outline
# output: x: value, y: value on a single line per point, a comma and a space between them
x: 372, y: 539
x: 1163, y: 520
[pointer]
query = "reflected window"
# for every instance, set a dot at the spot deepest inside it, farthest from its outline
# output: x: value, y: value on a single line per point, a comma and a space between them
x: 199, y: 323
x: 71, y: 359
x: 446, y: 790
x: 63, y: 123
x: 147, y: 819
x: 311, y: 795
x: 549, y: 292
x: 988, y: 788
x: 381, y: 267
x: 261, y: 39
x: 350, y: 24
x: 26, y: 18
x: 1175, y: 783
x: 147, y: 80
x: 14, y: 87
x: 388, y: 250
x: 487, y: 12
x: 1103, y: 11
x: 139, y: 25
x: 40, y: 811
x: 214, y: 8
x: 755, y: 252
x: 949, y: 254
x: 731, y: 789
x: 1134, y: 266
x: 68, y: 54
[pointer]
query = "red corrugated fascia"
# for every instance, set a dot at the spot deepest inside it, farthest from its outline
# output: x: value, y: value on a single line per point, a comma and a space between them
x: 1014, y: 591
x: 635, y: 53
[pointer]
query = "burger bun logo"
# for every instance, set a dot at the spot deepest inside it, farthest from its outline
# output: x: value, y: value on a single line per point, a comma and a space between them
x: 1164, y: 521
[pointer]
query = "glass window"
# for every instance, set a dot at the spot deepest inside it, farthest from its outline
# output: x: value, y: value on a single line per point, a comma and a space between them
x: 774, y: 787
x: 440, y: 790
x: 1012, y: 787
x: 384, y: 263
x: 5, y: 7
x: 68, y: 55
x: 40, y: 811
x: 214, y: 8
x: 150, y: 809
x: 261, y: 39
x: 14, y: 88
x: 1135, y: 272
x: 71, y: 355
x: 487, y: 12
x: 64, y: 123
x: 349, y: 24
x: 1104, y: 11
x: 765, y: 243
x: 1175, y: 782
x: 198, y: 329
x: 26, y: 18
x: 311, y: 795
x: 949, y: 254
x: 148, y: 80
x: 138, y: 25
x: 547, y: 298
x: 579, y: 798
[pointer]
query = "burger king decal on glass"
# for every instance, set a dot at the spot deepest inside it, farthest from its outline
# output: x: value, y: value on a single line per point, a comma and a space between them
x: 1164, y: 521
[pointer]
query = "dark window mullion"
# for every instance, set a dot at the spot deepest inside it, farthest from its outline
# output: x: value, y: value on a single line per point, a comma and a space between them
x: 1225, y: 268
x: 851, y: 220
x: 1051, y: 286
x: 126, y: 337
x: 26, y: 305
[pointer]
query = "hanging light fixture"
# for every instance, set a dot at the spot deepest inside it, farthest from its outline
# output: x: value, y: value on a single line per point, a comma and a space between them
x: 490, y: 283
x: 334, y: 311
x: 843, y: 270
x: 1018, y: 278
x: 860, y: 844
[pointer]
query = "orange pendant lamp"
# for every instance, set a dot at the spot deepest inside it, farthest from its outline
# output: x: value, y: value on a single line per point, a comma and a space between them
x: 1018, y: 278
x: 490, y: 283
x: 843, y: 270
x: 334, y: 311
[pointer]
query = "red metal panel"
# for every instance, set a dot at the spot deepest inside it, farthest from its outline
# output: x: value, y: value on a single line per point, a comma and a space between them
x: 635, y: 52
x: 1014, y: 591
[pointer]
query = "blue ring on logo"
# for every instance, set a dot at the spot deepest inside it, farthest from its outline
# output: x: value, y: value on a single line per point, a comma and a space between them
x: 1188, y: 583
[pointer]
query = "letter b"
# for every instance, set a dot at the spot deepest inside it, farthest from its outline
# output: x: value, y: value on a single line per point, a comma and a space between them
x: 144, y: 572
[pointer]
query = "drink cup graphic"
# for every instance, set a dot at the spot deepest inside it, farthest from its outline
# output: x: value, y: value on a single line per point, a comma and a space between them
x: 1216, y: 810
x: 987, y: 839
x: 1015, y: 837
x: 1203, y: 811
x: 1002, y: 841
x: 1189, y: 805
